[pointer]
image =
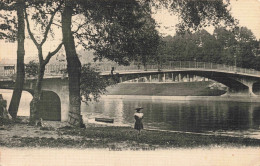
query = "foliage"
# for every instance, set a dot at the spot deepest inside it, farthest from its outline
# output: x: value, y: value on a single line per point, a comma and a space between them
x: 223, y: 47
x: 8, y: 21
x: 148, y: 41
x: 237, y: 45
x: 195, y: 15
x: 31, y: 69
x: 92, y: 84
x: 122, y: 31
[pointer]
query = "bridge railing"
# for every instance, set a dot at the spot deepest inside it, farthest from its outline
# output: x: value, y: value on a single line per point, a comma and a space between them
x: 170, y: 65
x: 205, y: 65
x: 57, y: 69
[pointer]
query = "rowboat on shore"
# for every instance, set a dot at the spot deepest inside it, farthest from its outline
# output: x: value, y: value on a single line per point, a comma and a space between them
x: 106, y: 120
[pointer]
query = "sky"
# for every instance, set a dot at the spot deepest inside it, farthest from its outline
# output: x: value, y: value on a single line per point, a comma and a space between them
x: 246, y: 11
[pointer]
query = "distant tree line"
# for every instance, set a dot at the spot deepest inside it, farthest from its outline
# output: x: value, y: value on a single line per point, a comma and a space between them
x: 238, y: 46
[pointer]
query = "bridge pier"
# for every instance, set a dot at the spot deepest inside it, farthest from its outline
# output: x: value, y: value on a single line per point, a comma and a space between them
x: 195, y: 78
x: 249, y: 83
x: 188, y: 78
x: 240, y: 91
x: 250, y: 88
x: 174, y: 77
x: 180, y: 77
x: 161, y: 77
x: 184, y: 78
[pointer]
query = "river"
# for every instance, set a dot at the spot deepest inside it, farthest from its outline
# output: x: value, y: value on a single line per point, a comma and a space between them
x: 175, y: 115
x: 193, y: 116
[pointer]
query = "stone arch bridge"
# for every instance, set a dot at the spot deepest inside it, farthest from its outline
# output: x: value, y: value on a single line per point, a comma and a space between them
x: 239, y: 81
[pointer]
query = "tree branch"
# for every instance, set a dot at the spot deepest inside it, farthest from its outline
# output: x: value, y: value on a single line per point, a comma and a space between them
x: 57, y: 25
x: 49, y: 25
x: 8, y: 6
x: 51, y: 54
x: 29, y: 30
x: 80, y: 26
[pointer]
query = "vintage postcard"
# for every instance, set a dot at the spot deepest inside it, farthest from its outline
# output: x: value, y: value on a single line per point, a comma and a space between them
x: 130, y: 82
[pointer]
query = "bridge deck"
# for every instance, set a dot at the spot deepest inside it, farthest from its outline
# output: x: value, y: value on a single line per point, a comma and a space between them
x: 55, y: 71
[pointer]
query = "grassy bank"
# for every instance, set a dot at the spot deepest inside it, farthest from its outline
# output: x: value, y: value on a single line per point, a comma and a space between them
x: 165, y: 89
x: 113, y: 138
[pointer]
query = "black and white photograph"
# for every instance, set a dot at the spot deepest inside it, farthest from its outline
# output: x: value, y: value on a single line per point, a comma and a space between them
x: 129, y: 82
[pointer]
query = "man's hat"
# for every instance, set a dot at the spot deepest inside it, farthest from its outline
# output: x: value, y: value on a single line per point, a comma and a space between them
x: 139, y: 108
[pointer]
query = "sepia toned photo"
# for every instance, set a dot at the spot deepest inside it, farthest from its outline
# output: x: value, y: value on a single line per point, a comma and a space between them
x: 129, y: 82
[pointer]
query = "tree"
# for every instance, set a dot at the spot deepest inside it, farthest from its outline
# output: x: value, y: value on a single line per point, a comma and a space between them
x: 225, y: 39
x: 92, y: 84
x: 17, y: 6
x: 34, y: 105
x: 120, y: 29
x: 207, y: 50
x: 148, y: 39
x: 111, y: 32
x: 236, y: 45
x: 31, y: 69
x: 73, y: 65
x: 246, y: 43
x: 195, y: 15
x: 200, y: 46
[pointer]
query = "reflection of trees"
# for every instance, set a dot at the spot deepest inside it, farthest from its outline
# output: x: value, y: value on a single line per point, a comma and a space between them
x: 119, y: 109
x: 256, y: 116
x: 184, y: 116
x: 128, y: 114
x: 237, y: 118
x: 199, y: 116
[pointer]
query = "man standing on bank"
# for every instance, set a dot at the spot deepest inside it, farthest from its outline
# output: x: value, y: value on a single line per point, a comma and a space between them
x: 138, y: 119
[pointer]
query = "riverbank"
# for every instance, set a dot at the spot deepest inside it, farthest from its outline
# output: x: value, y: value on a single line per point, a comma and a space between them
x: 201, y: 88
x: 185, y: 98
x: 59, y: 135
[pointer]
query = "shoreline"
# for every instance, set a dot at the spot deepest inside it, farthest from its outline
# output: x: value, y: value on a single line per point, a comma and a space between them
x: 60, y: 135
x: 185, y: 98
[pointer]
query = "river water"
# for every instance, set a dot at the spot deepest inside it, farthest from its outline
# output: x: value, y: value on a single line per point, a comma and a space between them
x: 194, y: 116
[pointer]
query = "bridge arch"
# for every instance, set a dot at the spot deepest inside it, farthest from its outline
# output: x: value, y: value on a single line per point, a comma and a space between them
x: 50, y: 104
x: 256, y: 88
x: 235, y: 85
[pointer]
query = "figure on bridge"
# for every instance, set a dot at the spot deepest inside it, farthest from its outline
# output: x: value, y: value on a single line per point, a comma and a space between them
x: 112, y: 70
x: 115, y: 76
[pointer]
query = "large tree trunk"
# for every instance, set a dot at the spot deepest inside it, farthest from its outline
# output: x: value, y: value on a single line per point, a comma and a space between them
x: 34, y: 104
x: 73, y: 66
x: 15, y: 101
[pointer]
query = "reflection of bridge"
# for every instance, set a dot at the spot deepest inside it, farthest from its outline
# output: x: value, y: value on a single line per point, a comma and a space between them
x: 238, y: 80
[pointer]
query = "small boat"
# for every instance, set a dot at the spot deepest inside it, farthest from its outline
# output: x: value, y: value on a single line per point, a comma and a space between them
x: 106, y: 120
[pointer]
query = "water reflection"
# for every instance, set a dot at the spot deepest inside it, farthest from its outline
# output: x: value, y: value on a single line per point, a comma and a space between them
x: 196, y: 116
